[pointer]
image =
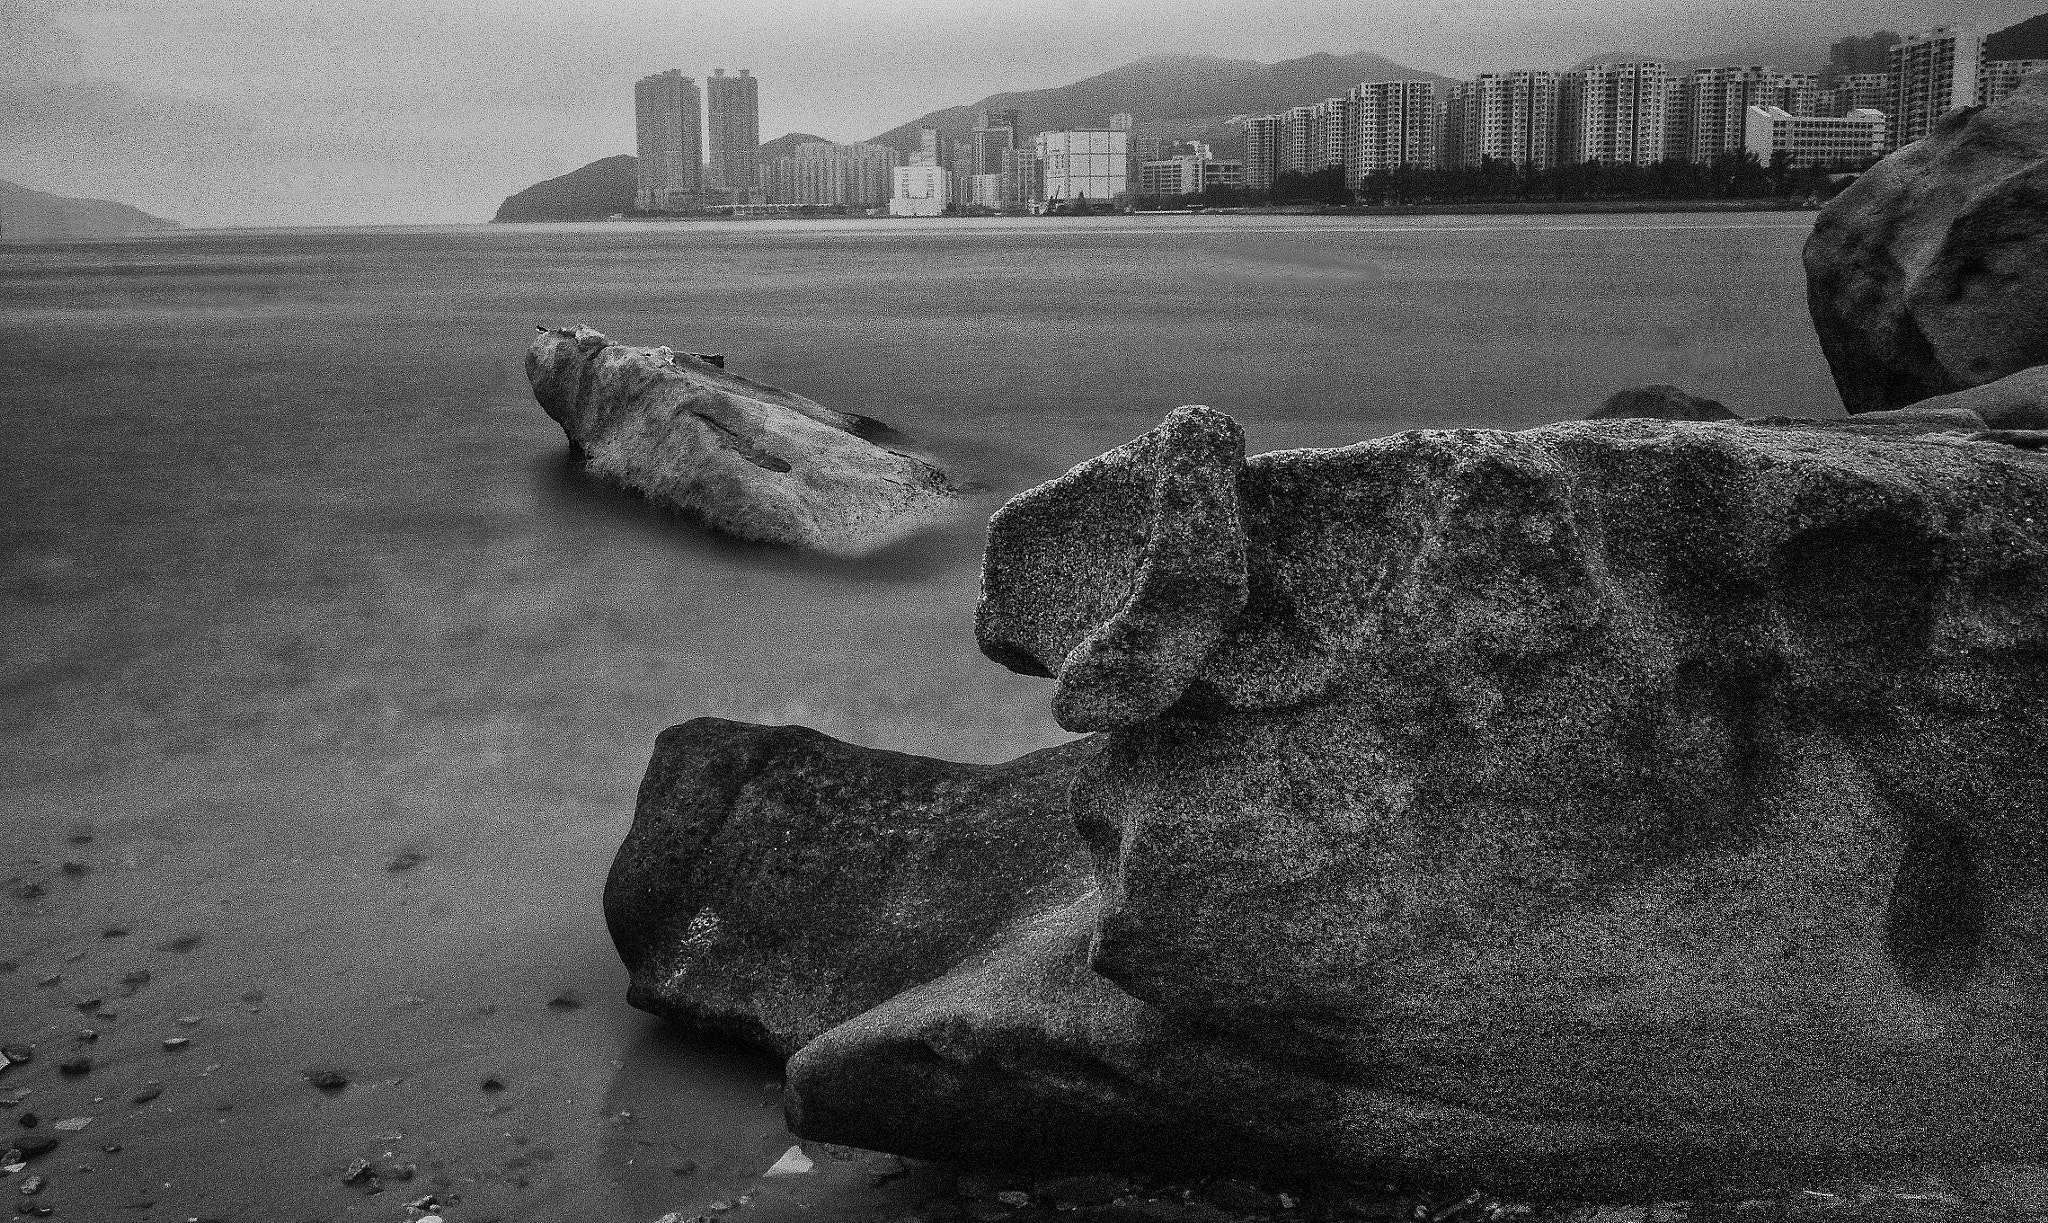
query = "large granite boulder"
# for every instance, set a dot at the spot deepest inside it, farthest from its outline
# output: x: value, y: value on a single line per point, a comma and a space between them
x: 777, y: 882
x: 1610, y: 807
x: 1660, y: 402
x: 747, y: 459
x: 1929, y: 274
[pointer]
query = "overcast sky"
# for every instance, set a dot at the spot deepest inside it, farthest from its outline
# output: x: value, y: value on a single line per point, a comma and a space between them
x: 254, y: 112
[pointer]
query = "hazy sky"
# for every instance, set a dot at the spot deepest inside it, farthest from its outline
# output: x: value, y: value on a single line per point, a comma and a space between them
x: 241, y: 112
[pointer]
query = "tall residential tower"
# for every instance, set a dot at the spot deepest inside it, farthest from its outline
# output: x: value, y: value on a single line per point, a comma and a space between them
x: 666, y: 136
x: 733, y: 114
x: 1932, y: 73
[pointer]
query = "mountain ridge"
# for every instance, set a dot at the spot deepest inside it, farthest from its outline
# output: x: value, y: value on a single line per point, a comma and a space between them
x: 28, y: 215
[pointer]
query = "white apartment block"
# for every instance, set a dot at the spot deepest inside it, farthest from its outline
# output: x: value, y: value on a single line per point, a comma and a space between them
x: 669, y: 139
x: 1617, y: 114
x: 1814, y: 140
x: 1933, y: 72
x: 921, y: 191
x: 1715, y: 106
x: 1997, y: 79
x: 1509, y: 117
x: 1187, y: 175
x: 1261, y: 151
x: 1091, y: 164
x: 1390, y: 124
x: 825, y: 173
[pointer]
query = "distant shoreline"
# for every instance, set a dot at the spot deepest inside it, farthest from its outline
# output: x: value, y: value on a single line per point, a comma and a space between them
x: 1497, y: 208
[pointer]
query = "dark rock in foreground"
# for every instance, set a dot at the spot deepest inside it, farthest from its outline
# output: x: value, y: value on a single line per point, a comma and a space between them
x: 1929, y: 274
x: 1660, y: 402
x: 1617, y: 807
x: 747, y: 459
x: 778, y: 882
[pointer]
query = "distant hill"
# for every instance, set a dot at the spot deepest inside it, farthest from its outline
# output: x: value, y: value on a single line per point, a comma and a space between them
x: 2027, y: 40
x: 35, y: 216
x: 1176, y: 96
x: 783, y: 146
x: 589, y: 194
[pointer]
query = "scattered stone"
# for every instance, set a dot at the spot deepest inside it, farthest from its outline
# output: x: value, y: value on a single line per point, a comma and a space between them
x: 19, y: 1054
x: 357, y: 1170
x: 683, y: 1167
x: 566, y: 1000
x: 1016, y: 1198
x: 150, y: 1091
x: 747, y: 459
x: 1660, y: 402
x: 492, y: 1086
x: 73, y: 868
x: 793, y: 1163
x: 181, y: 943
x: 35, y: 1146
x: 12, y: 1098
x: 405, y: 860
x: 190, y: 1021
x: 72, y: 1125
x: 87, y: 1004
x: 75, y: 1067
x: 114, y: 932
x: 87, y: 1036
x: 253, y: 997
x: 27, y: 889
x: 176, y: 1042
x: 111, y: 1148
x: 50, y: 980
x: 135, y: 979
x: 28, y: 1121
x: 429, y: 1202
x: 105, y: 1013
x: 33, y: 1185
x: 327, y: 1078
x: 1240, y: 1197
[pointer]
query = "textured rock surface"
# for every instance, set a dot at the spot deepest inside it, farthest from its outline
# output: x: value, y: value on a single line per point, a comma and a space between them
x: 748, y: 459
x: 2018, y: 401
x: 1930, y: 273
x: 777, y: 881
x: 1660, y: 402
x: 1613, y: 807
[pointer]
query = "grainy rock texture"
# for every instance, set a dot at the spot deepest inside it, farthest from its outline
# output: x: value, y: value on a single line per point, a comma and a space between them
x: 2017, y: 401
x: 748, y: 459
x: 1660, y: 402
x: 1929, y: 274
x: 777, y: 881
x: 1613, y: 807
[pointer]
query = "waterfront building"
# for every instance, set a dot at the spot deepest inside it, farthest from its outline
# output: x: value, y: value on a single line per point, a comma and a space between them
x: 1454, y: 131
x: 1860, y: 91
x: 831, y: 174
x: 1933, y: 72
x: 1332, y: 133
x: 732, y: 112
x: 1999, y: 77
x: 921, y: 190
x: 997, y: 132
x: 1717, y: 101
x: 1390, y: 124
x: 1084, y: 163
x: 1022, y: 181
x: 983, y: 190
x: 934, y: 148
x: 1261, y: 151
x: 1618, y: 114
x: 1187, y: 174
x: 1298, y: 143
x: 668, y: 138
x: 1814, y: 140
x: 1509, y: 118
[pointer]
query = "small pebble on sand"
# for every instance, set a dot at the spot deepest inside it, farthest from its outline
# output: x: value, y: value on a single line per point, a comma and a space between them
x: 176, y: 1042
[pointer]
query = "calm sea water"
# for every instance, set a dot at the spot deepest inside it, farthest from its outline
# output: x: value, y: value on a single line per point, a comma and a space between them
x: 296, y: 577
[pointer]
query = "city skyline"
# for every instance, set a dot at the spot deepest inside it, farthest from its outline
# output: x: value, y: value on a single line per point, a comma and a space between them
x: 246, y: 112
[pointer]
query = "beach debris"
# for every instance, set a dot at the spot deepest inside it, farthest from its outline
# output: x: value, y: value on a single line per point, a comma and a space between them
x: 405, y: 860
x: 150, y: 1091
x: 86, y: 1004
x: 182, y: 942
x: 28, y: 1121
x: 27, y: 889
x: 50, y: 980
x: 75, y: 1067
x: 111, y: 1148
x: 425, y: 1205
x: 21, y: 1054
x: 683, y: 1167
x: 87, y: 1036
x: 15, y: 1097
x: 74, y: 868
x: 115, y: 931
x: 190, y: 1021
x: 1015, y: 1198
x: 71, y: 1125
x: 793, y: 1163
x: 327, y: 1078
x: 565, y: 1000
x: 33, y: 1185
x: 135, y: 979
x: 37, y: 1145
x: 492, y: 1085
x: 176, y: 1042
x: 357, y: 1171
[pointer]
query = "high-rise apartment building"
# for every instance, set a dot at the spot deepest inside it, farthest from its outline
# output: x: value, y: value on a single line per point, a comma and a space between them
x: 1390, y: 124
x: 1023, y: 180
x: 1300, y: 141
x: 1933, y: 72
x: 997, y: 131
x: 732, y: 109
x: 1618, y: 114
x: 1085, y: 163
x: 1716, y: 104
x: 1509, y: 118
x: 934, y: 148
x: 1261, y: 151
x: 1863, y: 91
x: 822, y: 173
x: 1999, y: 77
x: 668, y: 139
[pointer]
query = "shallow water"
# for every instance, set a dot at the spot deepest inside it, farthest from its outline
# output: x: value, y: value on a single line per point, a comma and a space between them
x: 297, y: 581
